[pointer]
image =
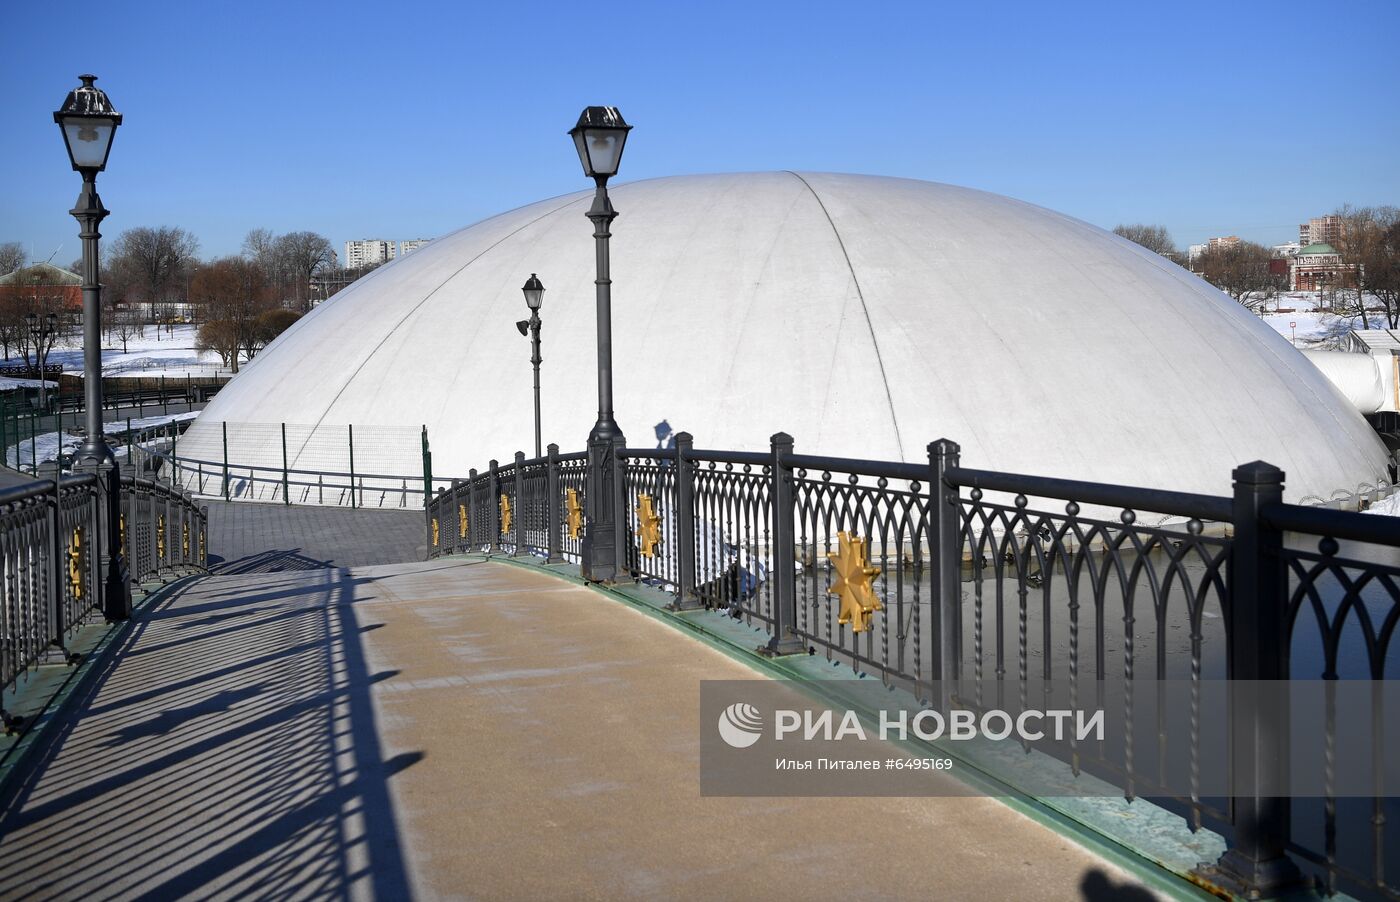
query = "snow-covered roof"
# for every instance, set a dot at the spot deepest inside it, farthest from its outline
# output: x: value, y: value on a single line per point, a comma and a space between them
x: 1372, y: 340
x: 56, y: 274
x: 866, y: 316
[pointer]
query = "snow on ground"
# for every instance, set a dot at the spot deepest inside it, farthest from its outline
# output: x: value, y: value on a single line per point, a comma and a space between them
x: 1389, y: 507
x: 10, y: 384
x: 1315, y: 328
x: 48, y: 445
x: 153, y: 353
x: 45, y: 446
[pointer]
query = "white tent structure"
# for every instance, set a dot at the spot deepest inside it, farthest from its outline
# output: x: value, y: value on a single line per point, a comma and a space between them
x: 864, y: 315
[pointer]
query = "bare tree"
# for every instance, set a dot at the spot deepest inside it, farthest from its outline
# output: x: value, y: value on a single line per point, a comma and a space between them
x: 1152, y: 237
x: 1370, y: 241
x: 328, y: 281
x: 234, y: 292
x: 126, y: 324
x: 272, y: 323
x: 289, y: 262
x: 36, y: 292
x: 303, y: 254
x: 12, y: 257
x: 260, y: 246
x: 1241, y: 271
x: 159, y: 260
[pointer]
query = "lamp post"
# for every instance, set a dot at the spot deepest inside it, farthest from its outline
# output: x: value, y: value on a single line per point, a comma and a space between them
x: 534, y: 297
x: 43, y: 342
x: 599, y: 137
x: 88, y: 123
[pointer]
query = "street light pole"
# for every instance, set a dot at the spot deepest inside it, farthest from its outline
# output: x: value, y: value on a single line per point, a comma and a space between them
x: 534, y: 297
x: 599, y: 138
x: 88, y: 123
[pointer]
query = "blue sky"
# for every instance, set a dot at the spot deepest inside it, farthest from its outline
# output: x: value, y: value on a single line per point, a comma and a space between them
x: 398, y: 121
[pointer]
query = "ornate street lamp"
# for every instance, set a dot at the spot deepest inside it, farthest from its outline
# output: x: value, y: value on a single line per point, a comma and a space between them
x: 89, y: 123
x: 534, y: 297
x: 599, y: 137
x: 43, y: 340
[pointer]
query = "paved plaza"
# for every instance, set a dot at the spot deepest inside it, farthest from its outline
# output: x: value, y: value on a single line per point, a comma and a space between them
x: 451, y: 729
x: 268, y: 538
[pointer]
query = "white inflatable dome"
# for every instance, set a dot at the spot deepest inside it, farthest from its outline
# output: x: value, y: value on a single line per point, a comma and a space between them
x: 866, y: 316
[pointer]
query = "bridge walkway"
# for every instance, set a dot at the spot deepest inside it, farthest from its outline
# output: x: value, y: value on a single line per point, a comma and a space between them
x: 453, y: 729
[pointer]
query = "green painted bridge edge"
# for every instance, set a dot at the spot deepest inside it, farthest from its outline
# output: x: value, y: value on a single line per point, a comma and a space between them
x: 49, y: 696
x: 1141, y: 863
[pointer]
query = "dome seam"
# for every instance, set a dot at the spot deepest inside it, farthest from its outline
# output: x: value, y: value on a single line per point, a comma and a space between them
x: 860, y: 295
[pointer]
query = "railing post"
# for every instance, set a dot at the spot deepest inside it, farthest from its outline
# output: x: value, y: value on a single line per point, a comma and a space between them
x: 224, y: 424
x: 603, y: 551
x: 350, y: 429
x: 686, y: 599
x: 785, y: 640
x: 427, y: 467
x: 473, y: 514
x: 1257, y: 863
x: 286, y: 493
x: 552, y: 518
x: 59, y: 554
x: 430, y: 509
x: 945, y: 559
x: 517, y: 506
x: 454, y: 516
x: 494, y: 499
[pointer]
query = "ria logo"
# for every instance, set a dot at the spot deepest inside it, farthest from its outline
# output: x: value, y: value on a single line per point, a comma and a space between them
x: 740, y: 725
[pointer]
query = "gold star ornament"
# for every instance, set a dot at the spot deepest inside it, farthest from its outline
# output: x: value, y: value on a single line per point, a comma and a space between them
x: 575, y: 513
x: 75, y: 563
x: 852, y: 581
x: 648, y: 526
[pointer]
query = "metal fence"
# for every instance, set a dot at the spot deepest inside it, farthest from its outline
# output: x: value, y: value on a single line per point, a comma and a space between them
x: 986, y: 585
x: 53, y: 545
x: 287, y: 463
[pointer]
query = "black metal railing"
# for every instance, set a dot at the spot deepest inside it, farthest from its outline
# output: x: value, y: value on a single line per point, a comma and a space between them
x: 157, y: 450
x: 54, y: 541
x: 990, y: 586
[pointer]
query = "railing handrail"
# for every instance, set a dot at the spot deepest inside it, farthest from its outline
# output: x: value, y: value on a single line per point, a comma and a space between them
x: 42, y: 487
x: 235, y: 468
x: 1324, y: 521
x: 878, y: 468
x: 720, y: 457
x: 1177, y: 504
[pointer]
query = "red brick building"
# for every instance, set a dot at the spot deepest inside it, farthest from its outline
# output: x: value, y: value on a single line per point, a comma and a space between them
x: 1319, y: 266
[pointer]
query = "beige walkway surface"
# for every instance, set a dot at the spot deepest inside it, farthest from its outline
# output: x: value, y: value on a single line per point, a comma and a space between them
x: 452, y: 730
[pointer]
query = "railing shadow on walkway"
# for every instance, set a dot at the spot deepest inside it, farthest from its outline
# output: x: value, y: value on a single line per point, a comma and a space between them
x: 260, y: 775
x: 271, y: 561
